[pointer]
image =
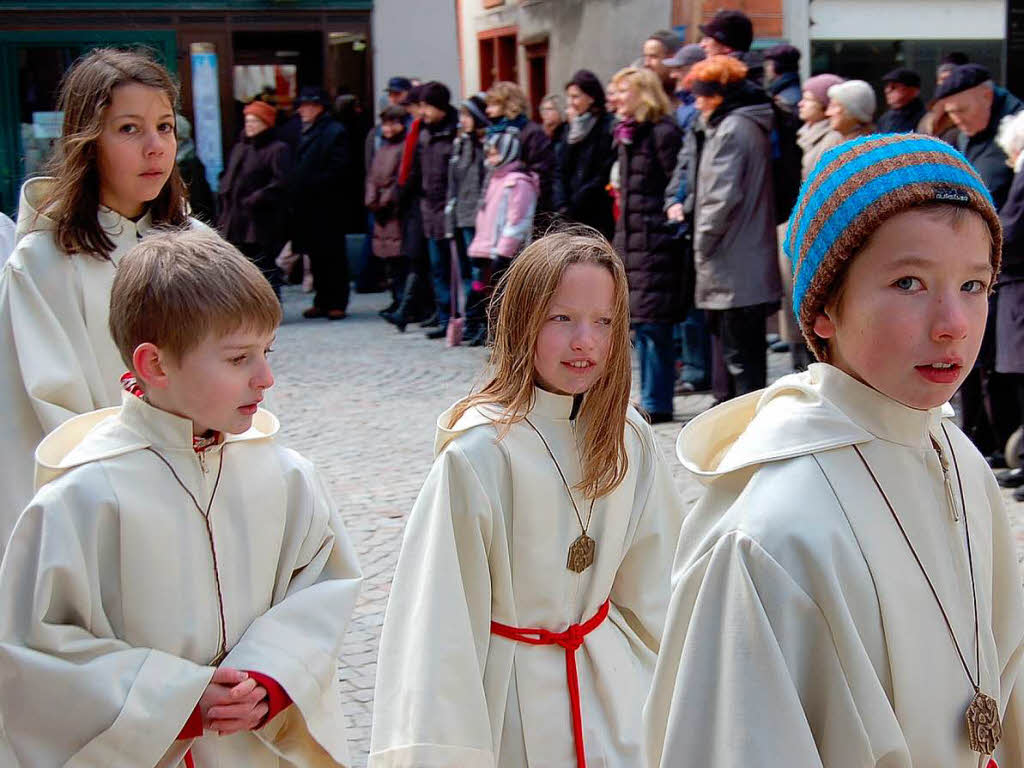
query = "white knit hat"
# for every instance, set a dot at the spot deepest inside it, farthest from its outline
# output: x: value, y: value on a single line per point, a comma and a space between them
x: 857, y: 98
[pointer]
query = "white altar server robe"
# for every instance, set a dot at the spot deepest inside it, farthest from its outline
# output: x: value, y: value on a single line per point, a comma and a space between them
x: 109, y: 608
x: 488, y: 540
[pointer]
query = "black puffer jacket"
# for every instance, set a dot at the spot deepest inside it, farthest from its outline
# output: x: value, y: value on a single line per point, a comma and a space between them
x: 582, y: 176
x: 643, y: 236
x: 252, y: 191
x: 431, y: 171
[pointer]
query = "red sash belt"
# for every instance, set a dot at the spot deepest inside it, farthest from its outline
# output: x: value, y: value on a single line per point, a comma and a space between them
x: 570, y: 640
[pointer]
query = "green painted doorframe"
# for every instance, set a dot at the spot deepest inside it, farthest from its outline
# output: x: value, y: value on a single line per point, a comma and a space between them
x: 162, y: 42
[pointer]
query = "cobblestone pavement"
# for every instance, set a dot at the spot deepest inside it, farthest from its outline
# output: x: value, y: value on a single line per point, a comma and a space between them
x: 360, y: 400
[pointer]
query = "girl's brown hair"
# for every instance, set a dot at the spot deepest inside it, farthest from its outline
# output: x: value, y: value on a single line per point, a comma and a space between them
x: 85, y: 93
x: 724, y: 70
x: 654, y: 104
x: 518, y: 311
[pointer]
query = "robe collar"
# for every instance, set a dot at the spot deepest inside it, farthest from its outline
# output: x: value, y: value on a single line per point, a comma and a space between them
x: 123, y: 231
x: 159, y: 428
x: 550, y: 406
x: 879, y: 414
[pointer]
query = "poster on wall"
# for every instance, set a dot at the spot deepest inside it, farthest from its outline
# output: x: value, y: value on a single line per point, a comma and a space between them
x: 206, y: 105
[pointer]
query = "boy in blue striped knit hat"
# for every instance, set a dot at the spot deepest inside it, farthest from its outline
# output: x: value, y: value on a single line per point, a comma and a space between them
x: 846, y: 592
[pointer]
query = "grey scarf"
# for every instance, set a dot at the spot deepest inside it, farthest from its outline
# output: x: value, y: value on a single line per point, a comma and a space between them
x: 581, y: 126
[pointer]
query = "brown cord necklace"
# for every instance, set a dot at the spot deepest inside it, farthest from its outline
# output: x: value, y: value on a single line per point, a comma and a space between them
x: 582, y: 550
x: 222, y: 652
x: 984, y: 729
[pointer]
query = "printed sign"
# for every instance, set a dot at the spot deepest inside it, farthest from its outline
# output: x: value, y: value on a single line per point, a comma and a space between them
x: 206, y: 105
x: 47, y: 125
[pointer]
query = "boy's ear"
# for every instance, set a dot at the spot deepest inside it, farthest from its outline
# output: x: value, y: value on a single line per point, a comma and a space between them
x: 147, y: 362
x: 824, y: 328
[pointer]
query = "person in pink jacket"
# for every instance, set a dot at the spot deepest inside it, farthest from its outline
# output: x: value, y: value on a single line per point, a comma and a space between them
x: 503, y: 224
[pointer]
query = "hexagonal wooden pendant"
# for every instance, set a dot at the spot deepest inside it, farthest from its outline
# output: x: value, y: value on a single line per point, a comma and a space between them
x: 581, y: 554
x: 983, y: 727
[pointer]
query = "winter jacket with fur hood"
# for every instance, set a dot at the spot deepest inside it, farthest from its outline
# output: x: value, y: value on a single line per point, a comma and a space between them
x: 505, y: 220
x: 797, y: 606
x: 57, y: 357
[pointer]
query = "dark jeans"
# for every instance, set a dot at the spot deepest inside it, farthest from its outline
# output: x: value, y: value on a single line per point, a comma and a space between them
x: 329, y: 261
x: 656, y: 354
x: 265, y: 257
x: 441, y: 272
x: 696, y: 348
x: 739, y: 354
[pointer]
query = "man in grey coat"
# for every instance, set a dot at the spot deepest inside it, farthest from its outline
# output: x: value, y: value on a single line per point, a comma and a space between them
x: 737, y: 274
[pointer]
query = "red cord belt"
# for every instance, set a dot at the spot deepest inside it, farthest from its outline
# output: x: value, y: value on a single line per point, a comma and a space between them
x: 571, y: 639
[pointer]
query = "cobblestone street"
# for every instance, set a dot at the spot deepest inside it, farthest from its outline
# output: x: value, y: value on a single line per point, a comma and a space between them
x: 360, y: 400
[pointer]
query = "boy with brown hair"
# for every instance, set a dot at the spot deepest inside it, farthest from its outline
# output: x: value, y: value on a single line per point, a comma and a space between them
x: 178, y: 575
x: 847, y: 592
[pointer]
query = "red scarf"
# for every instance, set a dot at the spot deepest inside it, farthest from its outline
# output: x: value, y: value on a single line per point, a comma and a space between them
x: 409, y: 151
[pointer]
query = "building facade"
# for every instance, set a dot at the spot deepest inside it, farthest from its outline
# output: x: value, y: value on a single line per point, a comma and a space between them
x: 539, y: 43
x: 245, y: 46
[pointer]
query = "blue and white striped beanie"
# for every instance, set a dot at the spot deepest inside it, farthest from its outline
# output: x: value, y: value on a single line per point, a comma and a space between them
x: 507, y: 143
x: 852, y: 190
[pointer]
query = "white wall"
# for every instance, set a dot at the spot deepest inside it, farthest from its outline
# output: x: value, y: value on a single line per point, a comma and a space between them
x: 415, y: 38
x: 907, y: 19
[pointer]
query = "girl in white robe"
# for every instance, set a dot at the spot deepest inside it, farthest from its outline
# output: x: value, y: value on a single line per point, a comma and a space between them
x: 114, y: 178
x: 485, y: 569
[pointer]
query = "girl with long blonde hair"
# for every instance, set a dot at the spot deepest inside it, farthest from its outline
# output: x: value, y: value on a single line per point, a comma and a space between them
x: 112, y: 179
x: 532, y: 585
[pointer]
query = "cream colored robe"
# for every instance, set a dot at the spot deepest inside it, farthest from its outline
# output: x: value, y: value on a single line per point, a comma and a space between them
x: 109, y: 613
x: 801, y: 631
x: 57, y: 358
x: 487, y: 540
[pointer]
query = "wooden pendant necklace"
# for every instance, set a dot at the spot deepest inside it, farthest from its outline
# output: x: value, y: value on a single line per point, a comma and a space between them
x: 583, y: 548
x: 984, y: 730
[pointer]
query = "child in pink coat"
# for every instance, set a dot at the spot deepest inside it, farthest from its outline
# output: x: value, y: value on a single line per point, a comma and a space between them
x: 503, y: 223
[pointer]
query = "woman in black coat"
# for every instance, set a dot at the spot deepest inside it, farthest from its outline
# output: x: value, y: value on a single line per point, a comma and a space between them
x: 253, y: 191
x: 648, y: 141
x: 586, y: 156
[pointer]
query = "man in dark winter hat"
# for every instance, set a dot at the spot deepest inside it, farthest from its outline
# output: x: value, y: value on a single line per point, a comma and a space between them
x: 731, y: 33
x: 782, y: 78
x: 976, y: 105
x: 727, y: 33
x: 322, y: 161
x: 903, y: 95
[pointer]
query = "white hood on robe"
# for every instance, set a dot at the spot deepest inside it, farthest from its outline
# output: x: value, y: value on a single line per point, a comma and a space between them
x: 33, y: 193
x: 791, y: 418
x: 66, y: 447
